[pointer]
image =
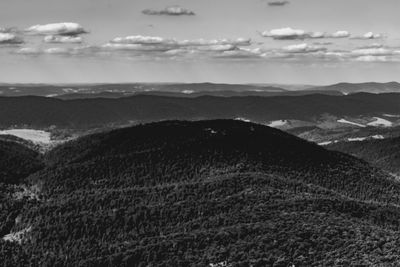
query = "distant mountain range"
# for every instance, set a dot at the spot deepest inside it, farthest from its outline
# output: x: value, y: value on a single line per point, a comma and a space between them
x: 107, y: 94
x: 189, y: 89
x: 371, y: 87
x: 43, y: 111
x: 207, y: 193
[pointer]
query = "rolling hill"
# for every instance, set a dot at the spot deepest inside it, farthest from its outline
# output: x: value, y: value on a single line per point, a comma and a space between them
x: 206, y: 193
x: 86, y: 113
x: 76, y: 91
x: 369, y: 87
x: 192, y: 94
x: 382, y: 153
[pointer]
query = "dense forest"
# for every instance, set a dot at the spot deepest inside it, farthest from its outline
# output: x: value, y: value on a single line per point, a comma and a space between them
x: 17, y: 161
x: 86, y: 113
x: 206, y: 193
x: 382, y: 153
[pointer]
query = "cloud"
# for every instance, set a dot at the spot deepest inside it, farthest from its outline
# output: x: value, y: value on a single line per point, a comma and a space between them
x: 57, y: 51
x: 65, y: 28
x: 368, y: 36
x: 278, y: 3
x: 10, y: 38
x: 154, y: 47
x: 8, y: 30
x: 298, y: 34
x: 203, y: 42
x: 339, y: 34
x: 136, y: 47
x: 146, y: 47
x: 169, y: 11
x: 303, y: 48
x: 322, y: 43
x: 56, y: 39
x: 372, y: 59
x: 29, y: 51
x: 381, y: 51
x: 143, y: 40
x: 139, y: 40
x: 139, y: 47
x: 218, y: 47
x: 285, y: 34
x: 242, y: 53
x: 374, y: 45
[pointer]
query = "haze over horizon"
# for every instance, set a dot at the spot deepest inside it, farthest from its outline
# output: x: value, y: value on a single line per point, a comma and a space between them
x: 235, y: 41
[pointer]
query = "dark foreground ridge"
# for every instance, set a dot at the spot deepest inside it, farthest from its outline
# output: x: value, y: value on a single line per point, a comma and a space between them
x: 203, y: 193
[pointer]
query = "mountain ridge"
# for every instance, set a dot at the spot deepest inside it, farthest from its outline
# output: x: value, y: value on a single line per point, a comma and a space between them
x: 35, y: 111
x: 181, y: 193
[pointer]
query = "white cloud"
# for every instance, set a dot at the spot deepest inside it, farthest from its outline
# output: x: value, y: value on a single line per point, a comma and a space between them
x: 57, y: 50
x: 65, y: 28
x: 340, y: 34
x: 174, y: 47
x: 9, y: 38
x: 293, y: 34
x: 370, y: 58
x: 373, y: 51
x: 135, y: 47
x: 169, y: 11
x: 139, y: 39
x: 285, y: 33
x: 55, y: 39
x: 203, y: 42
x: 152, y: 46
x: 151, y: 40
x: 242, y: 53
x: 368, y: 36
x: 303, y: 48
x: 62, y: 51
x: 29, y: 51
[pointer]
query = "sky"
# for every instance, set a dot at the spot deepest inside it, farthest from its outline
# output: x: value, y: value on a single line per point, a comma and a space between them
x: 228, y: 41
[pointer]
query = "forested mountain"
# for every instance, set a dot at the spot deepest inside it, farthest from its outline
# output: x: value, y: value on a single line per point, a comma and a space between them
x: 269, y: 92
x: 370, y: 87
x: 70, y: 91
x: 44, y: 112
x: 201, y: 194
x: 382, y: 153
x: 130, y: 88
x: 17, y: 161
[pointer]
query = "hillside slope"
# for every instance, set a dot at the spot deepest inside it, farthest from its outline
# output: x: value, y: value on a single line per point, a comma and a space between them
x: 382, y: 153
x: 203, y: 193
x: 17, y: 162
